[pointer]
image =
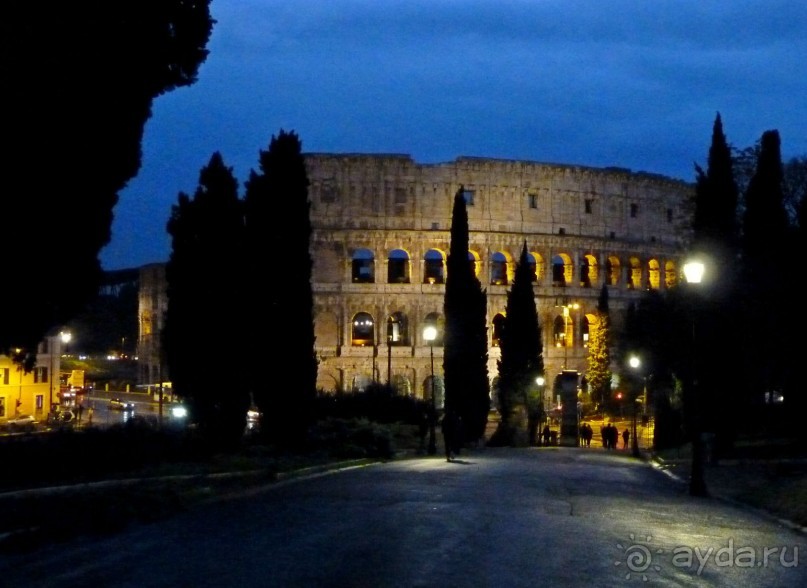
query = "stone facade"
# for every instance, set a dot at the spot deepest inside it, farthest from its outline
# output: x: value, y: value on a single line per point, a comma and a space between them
x: 381, y: 231
x: 381, y: 235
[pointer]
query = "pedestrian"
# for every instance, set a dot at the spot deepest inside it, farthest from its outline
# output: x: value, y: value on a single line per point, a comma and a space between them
x: 625, y: 438
x: 89, y: 415
x: 450, y: 428
x: 546, y: 434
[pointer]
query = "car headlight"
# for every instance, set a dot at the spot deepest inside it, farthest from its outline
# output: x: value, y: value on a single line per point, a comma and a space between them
x: 179, y: 412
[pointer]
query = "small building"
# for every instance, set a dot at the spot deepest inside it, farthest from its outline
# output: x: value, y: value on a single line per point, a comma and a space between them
x: 31, y: 393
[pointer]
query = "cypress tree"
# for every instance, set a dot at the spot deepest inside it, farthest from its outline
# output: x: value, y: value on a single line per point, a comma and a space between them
x: 204, y: 276
x: 768, y: 269
x: 465, y: 352
x: 521, y: 353
x: 716, y: 237
x: 715, y: 222
x: 281, y: 300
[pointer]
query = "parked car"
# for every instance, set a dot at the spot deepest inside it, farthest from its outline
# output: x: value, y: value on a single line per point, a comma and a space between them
x: 118, y: 404
x: 23, y: 422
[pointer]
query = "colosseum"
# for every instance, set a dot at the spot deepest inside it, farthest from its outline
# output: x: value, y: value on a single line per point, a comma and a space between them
x: 381, y: 236
x: 381, y: 232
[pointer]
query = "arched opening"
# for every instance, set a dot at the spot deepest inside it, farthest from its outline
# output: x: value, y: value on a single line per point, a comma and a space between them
x: 362, y: 330
x: 434, y: 267
x: 363, y: 267
x: 498, y: 325
x: 397, y: 330
x: 588, y: 271
x: 635, y: 274
x: 612, y: 269
x: 398, y: 267
x: 498, y: 269
x: 653, y: 274
x: 670, y: 274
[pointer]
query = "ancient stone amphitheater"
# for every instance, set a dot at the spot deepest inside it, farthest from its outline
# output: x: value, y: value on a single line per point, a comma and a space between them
x: 381, y: 236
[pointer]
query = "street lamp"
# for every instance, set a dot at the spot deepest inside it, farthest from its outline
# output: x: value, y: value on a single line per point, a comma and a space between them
x: 635, y: 363
x: 66, y: 336
x: 535, y: 417
x: 567, y: 308
x: 430, y: 334
x: 693, y: 273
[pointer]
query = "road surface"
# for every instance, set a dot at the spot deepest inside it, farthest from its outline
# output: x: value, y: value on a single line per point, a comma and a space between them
x: 496, y: 517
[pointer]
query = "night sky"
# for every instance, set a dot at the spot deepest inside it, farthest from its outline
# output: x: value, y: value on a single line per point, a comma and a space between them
x: 626, y: 83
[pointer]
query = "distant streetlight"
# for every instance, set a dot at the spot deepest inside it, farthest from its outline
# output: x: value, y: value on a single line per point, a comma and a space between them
x: 635, y: 363
x: 694, y: 271
x: 430, y: 334
x: 541, y: 381
x: 65, y: 336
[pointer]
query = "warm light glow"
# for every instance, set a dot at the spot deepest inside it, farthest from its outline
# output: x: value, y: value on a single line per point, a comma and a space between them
x: 540, y: 380
x: 430, y: 333
x: 65, y: 336
x: 634, y: 362
x: 693, y: 271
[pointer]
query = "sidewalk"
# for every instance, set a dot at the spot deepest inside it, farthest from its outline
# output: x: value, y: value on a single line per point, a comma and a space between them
x: 775, y: 486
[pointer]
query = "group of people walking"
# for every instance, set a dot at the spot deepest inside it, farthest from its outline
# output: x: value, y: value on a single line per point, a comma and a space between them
x: 610, y: 437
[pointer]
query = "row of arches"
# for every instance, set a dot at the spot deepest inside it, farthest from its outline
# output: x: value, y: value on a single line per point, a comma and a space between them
x: 565, y: 330
x: 631, y: 272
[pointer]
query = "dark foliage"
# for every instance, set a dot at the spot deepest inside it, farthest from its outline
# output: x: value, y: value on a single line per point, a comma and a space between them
x: 465, y: 351
x: 207, y: 239
x: 767, y: 264
x: 716, y: 223
x: 378, y: 403
x: 55, y: 93
x: 278, y: 227
x: 521, y: 350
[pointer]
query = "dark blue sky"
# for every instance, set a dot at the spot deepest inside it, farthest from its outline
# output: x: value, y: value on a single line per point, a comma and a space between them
x: 627, y: 83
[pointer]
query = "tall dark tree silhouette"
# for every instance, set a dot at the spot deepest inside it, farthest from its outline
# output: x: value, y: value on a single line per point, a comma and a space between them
x: 281, y: 300
x: 716, y: 221
x: 768, y: 268
x: 54, y: 92
x: 204, y: 317
x: 521, y: 354
x: 598, y: 372
x: 465, y: 353
x: 716, y: 240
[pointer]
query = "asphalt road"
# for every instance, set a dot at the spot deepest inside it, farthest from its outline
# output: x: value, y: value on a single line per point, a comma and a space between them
x: 497, y: 517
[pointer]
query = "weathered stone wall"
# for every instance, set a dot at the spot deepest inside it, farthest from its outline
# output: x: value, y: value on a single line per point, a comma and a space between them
x: 569, y: 213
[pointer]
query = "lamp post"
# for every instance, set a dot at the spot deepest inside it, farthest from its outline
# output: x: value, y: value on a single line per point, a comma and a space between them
x: 693, y: 273
x: 430, y: 334
x: 635, y: 363
x: 389, y: 354
x: 567, y: 308
x: 538, y: 416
